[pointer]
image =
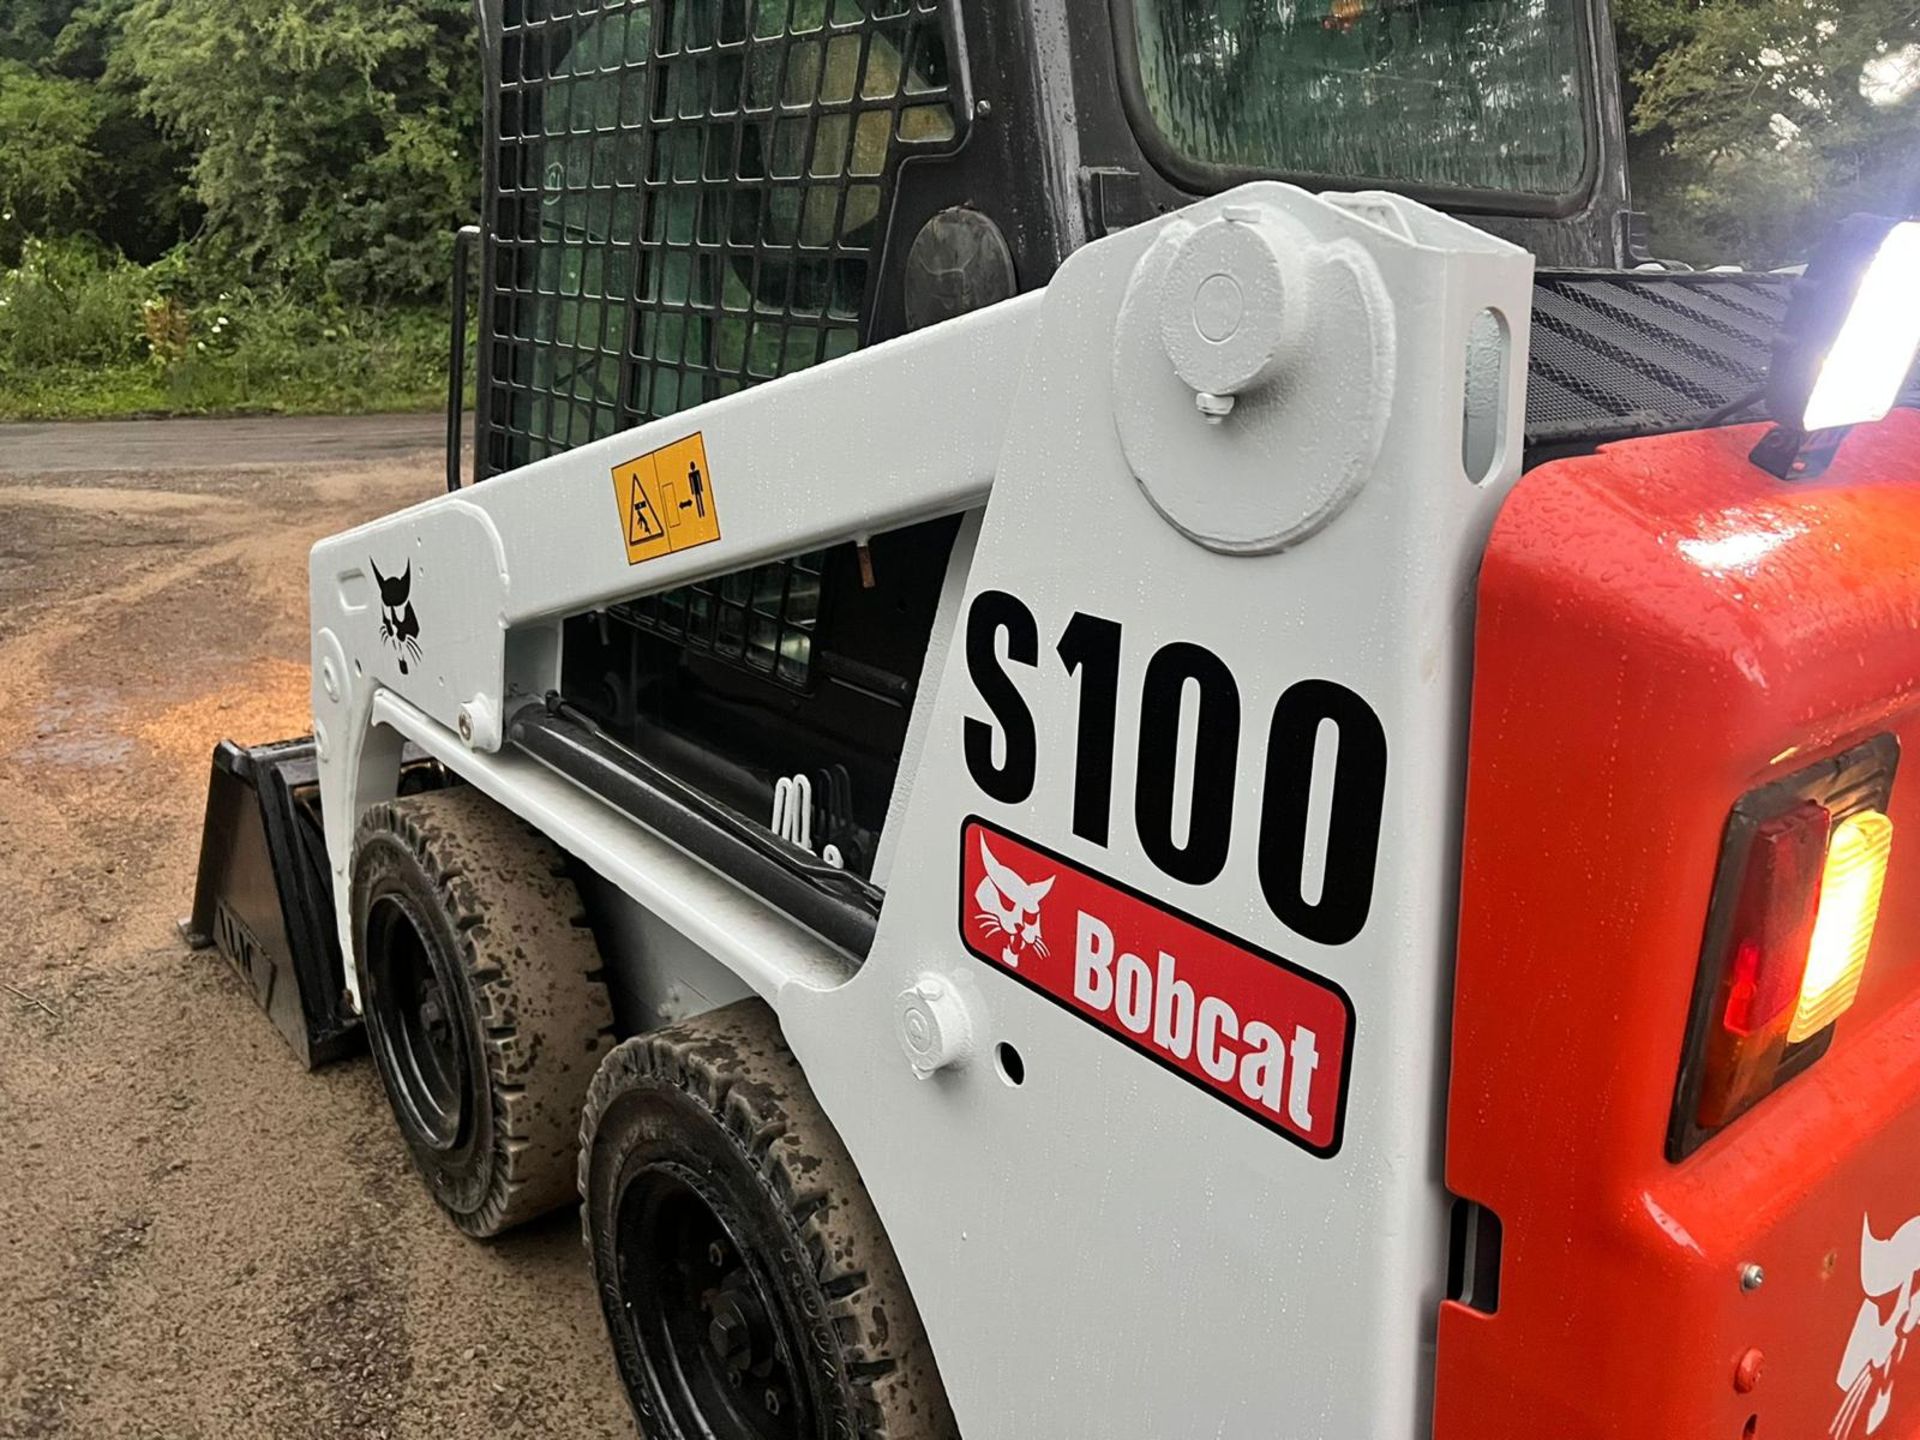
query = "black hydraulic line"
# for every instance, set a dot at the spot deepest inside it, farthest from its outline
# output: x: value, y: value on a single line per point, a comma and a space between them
x: 1735, y: 407
x: 863, y: 676
x: 835, y: 904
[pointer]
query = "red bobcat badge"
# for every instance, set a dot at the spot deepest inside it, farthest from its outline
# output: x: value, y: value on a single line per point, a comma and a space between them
x: 1267, y: 1037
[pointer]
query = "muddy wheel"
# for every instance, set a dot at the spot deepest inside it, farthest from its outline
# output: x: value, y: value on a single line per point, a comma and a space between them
x: 748, y: 1287
x: 484, y: 1004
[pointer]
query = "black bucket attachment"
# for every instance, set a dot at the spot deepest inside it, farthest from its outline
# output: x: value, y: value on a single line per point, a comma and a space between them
x: 264, y: 898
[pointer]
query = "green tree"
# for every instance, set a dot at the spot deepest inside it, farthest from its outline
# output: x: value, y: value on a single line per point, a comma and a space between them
x: 1759, y: 122
x: 29, y: 28
x: 336, y: 140
x: 77, y: 156
x: 48, y: 160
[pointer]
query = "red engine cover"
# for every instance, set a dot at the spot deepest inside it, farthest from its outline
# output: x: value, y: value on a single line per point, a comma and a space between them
x: 1662, y: 627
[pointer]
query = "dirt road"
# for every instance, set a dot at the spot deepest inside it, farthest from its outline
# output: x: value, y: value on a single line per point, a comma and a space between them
x: 198, y: 1239
x: 251, y: 441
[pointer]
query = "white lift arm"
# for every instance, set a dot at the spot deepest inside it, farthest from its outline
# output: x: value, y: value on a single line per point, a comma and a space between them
x: 879, y: 439
x: 1170, y: 907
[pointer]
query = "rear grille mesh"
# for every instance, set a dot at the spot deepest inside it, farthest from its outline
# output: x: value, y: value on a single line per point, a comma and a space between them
x: 1620, y: 354
x: 1615, y: 355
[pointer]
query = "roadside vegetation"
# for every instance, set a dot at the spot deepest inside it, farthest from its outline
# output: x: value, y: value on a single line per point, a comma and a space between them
x: 215, y: 205
x: 230, y: 205
x: 87, y: 334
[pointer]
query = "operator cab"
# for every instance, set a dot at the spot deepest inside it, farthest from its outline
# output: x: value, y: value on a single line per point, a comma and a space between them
x: 686, y: 197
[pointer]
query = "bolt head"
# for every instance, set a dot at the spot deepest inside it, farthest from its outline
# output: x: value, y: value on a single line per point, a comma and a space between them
x: 465, y: 725
x: 933, y: 1025
x: 1752, y: 1277
x: 1746, y: 1372
x: 728, y: 1336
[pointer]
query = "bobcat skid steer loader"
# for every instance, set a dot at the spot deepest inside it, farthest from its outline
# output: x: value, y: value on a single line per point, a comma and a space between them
x: 1240, y: 806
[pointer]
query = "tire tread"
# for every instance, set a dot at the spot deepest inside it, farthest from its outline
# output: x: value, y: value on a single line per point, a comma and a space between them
x: 536, y: 981
x: 736, y: 1064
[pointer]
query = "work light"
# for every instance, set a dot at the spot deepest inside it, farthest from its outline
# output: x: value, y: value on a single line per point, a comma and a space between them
x: 1847, y: 344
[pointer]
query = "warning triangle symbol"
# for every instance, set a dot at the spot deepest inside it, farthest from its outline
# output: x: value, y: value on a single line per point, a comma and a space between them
x: 642, y: 524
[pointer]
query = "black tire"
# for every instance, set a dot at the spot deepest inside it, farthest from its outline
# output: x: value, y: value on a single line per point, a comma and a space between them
x: 721, y: 1204
x: 485, y: 1007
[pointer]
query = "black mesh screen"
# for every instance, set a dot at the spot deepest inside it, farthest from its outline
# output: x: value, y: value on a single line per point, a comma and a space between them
x: 692, y: 196
x: 1616, y: 355
x: 1629, y: 354
x: 763, y: 619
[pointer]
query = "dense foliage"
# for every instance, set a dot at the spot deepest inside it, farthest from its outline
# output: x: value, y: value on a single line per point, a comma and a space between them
x: 210, y: 203
x: 334, y: 140
x: 323, y: 146
x: 87, y: 334
x: 1759, y: 121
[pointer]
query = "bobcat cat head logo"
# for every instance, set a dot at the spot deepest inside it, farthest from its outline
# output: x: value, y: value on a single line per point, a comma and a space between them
x: 1882, y: 1328
x: 399, y: 626
x: 1010, y: 906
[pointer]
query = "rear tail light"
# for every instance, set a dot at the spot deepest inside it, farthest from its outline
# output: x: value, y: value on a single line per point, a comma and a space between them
x: 1855, y: 872
x: 1794, y: 903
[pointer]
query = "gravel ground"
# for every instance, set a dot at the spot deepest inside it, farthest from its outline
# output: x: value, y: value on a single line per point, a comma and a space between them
x: 197, y: 1238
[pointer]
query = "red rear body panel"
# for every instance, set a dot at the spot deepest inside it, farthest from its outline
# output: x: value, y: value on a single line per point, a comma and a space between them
x: 1662, y: 627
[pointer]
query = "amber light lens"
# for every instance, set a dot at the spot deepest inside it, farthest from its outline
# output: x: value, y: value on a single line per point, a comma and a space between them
x: 1854, y: 875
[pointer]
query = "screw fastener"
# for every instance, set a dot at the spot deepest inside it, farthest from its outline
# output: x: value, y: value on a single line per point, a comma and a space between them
x: 1752, y: 1276
x: 478, y: 722
x: 1215, y: 407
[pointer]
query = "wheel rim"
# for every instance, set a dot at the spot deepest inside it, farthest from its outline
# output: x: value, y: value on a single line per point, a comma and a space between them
x: 704, y: 1317
x: 416, y: 1025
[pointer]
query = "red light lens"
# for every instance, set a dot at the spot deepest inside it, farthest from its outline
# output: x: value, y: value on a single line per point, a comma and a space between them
x: 1774, y: 922
x: 1766, y: 960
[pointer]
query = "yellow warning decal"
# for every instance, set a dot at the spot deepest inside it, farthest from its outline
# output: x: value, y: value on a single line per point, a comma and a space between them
x: 666, y: 500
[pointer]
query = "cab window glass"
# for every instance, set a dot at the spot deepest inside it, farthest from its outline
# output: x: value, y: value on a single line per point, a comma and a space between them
x: 1465, y: 94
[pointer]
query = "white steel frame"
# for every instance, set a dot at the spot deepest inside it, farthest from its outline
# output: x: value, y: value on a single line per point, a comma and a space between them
x: 1101, y: 1251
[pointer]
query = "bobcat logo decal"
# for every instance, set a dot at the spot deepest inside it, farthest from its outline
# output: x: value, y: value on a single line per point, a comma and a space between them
x: 1882, y: 1329
x: 399, y: 626
x: 1010, y: 907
